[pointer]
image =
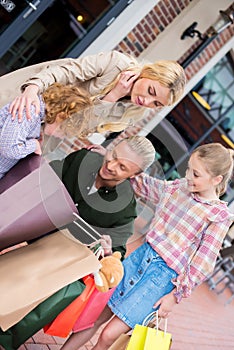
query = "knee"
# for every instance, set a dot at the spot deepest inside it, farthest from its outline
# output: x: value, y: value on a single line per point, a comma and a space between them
x: 107, y: 336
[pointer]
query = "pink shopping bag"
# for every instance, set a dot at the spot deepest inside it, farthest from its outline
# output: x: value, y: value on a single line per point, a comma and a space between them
x: 93, y: 309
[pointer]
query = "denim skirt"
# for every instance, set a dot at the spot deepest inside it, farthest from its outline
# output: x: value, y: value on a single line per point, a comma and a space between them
x: 146, y: 279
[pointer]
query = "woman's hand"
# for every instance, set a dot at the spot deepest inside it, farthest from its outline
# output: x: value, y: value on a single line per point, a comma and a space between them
x: 28, y: 97
x: 166, y: 304
x: 38, y: 150
x: 98, y: 149
x: 123, y: 86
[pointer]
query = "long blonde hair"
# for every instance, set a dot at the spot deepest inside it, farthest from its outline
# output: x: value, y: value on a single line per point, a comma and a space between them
x: 168, y: 73
x: 218, y: 160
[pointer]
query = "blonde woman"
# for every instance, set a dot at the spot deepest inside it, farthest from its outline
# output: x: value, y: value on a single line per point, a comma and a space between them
x: 122, y: 88
x: 59, y: 113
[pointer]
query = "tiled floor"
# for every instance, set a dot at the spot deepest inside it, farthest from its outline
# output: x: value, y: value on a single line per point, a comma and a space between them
x: 202, y: 322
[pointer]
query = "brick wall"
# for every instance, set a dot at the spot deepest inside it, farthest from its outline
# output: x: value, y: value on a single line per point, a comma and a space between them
x: 156, y: 21
x: 151, y: 26
x: 207, y: 53
x: 146, y: 31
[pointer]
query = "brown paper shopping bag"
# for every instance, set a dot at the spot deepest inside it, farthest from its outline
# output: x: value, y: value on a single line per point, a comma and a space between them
x: 32, y: 273
x: 33, y: 201
x: 121, y: 343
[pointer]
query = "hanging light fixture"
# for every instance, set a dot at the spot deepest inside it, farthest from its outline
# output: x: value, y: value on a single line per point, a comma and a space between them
x: 225, y: 19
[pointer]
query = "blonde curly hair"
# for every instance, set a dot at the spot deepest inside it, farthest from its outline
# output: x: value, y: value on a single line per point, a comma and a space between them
x: 72, y: 105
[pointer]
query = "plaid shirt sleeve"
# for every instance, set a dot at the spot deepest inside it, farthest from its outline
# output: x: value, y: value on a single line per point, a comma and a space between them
x: 148, y: 188
x: 203, y: 261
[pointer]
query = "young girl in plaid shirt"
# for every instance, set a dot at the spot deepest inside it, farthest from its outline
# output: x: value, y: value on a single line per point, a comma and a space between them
x: 181, y: 245
x: 59, y: 106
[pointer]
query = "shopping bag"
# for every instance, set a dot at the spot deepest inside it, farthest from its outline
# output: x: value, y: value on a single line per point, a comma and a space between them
x: 157, y: 339
x: 61, y: 326
x: 93, y: 309
x: 148, y: 338
x: 121, y: 343
x: 24, y: 167
x: 44, y: 313
x: 32, y: 204
x: 137, y: 340
x: 31, y: 274
x: 85, y: 310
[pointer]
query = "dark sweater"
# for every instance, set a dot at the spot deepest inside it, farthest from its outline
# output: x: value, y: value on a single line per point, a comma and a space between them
x: 110, y: 210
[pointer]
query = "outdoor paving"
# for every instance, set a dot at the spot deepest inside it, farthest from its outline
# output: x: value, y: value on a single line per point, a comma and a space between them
x: 202, y: 322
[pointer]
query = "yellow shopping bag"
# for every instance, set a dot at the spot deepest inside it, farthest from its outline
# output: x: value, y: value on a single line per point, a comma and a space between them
x: 156, y: 339
x: 138, y: 337
x: 147, y: 338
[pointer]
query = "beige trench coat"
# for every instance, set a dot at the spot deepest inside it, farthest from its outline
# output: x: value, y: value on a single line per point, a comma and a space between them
x: 93, y: 73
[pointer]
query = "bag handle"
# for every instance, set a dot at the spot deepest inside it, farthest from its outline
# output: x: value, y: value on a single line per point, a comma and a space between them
x: 87, y: 225
x: 151, y: 317
x: 99, y: 250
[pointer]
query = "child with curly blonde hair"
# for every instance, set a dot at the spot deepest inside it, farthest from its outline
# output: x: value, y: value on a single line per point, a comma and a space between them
x: 60, y: 112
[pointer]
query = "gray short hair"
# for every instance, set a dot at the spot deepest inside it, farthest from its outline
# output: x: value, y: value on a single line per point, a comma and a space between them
x: 143, y: 148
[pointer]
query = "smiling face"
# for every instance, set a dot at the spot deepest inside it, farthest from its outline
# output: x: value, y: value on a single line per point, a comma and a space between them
x: 119, y: 164
x: 199, y: 179
x: 149, y: 93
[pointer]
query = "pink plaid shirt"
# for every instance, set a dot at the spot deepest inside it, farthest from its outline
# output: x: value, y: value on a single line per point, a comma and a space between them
x: 187, y: 231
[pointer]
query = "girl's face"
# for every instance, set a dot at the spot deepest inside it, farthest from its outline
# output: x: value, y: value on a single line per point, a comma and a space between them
x: 149, y: 93
x: 199, y: 179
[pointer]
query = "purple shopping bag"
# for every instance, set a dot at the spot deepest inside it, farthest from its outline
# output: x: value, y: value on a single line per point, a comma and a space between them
x: 33, y: 202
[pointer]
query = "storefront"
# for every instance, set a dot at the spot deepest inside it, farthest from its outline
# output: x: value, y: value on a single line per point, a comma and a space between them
x: 35, y: 31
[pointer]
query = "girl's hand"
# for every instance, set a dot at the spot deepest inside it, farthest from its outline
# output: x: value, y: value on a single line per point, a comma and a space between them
x: 166, y: 304
x: 98, y: 149
x: 38, y: 150
x: 28, y: 97
x: 123, y: 86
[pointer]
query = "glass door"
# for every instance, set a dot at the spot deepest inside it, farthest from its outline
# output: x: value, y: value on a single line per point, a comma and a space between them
x: 59, y: 28
x: 15, y: 17
x: 9, y: 11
